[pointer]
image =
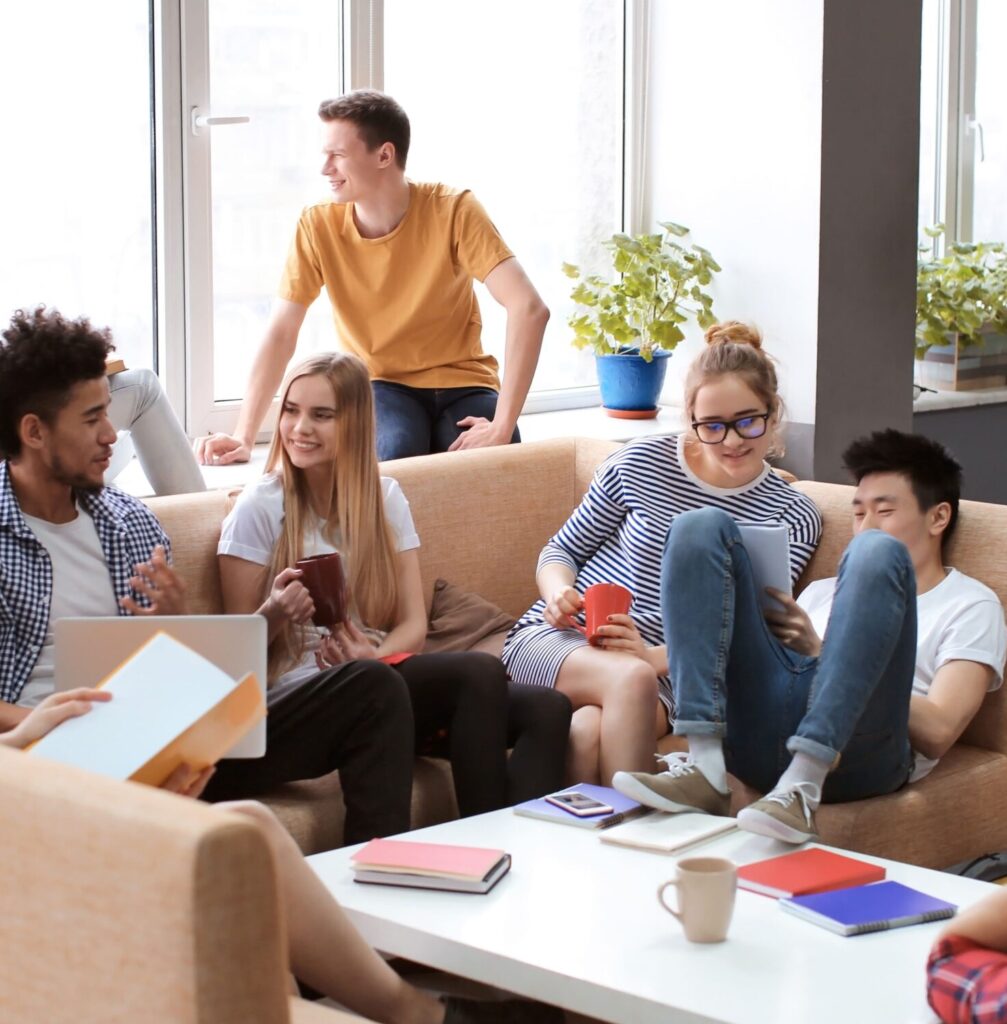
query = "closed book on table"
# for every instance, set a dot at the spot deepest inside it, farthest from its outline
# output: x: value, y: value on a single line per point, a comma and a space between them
x: 669, y: 833
x: 869, y: 908
x: 623, y: 808
x: 170, y: 706
x: 430, y: 865
x: 806, y: 871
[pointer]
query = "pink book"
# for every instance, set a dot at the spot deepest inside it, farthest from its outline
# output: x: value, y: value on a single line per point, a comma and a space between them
x: 434, y: 859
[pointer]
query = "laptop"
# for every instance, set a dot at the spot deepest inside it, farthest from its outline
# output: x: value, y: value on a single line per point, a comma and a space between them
x: 88, y: 650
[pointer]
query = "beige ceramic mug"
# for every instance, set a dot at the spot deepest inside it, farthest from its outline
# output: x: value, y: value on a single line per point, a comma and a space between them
x: 706, y: 887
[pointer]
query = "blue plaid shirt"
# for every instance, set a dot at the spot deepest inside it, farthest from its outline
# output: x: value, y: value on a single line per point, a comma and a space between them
x: 128, y: 532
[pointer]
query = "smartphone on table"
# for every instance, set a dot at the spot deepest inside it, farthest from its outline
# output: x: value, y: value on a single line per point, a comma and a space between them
x: 580, y: 804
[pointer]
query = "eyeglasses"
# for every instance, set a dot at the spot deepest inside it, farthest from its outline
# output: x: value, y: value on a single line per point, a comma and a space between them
x: 746, y: 427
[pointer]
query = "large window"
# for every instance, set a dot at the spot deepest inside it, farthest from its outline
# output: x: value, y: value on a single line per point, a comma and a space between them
x: 963, y: 119
x: 522, y: 103
x: 76, y: 173
x: 156, y: 159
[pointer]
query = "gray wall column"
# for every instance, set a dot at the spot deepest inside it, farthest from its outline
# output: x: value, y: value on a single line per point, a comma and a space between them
x: 867, y: 260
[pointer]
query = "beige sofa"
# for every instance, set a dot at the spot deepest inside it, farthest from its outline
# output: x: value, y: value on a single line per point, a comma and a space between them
x: 483, y: 516
x: 123, y: 904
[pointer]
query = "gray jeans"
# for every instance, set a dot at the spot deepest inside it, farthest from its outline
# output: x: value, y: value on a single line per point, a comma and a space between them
x: 140, y: 406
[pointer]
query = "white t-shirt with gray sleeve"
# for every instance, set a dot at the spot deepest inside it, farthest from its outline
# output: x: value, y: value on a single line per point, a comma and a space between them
x: 253, y: 527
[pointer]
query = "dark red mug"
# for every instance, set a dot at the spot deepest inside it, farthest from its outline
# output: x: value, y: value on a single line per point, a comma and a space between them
x: 326, y: 583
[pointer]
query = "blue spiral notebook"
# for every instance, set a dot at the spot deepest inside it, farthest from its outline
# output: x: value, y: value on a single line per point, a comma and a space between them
x: 869, y: 908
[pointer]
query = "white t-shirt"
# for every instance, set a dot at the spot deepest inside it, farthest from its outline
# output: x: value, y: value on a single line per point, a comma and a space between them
x: 253, y: 526
x: 960, y: 619
x: 81, y: 586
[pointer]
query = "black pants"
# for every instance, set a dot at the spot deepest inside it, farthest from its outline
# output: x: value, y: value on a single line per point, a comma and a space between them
x: 355, y: 718
x: 465, y: 709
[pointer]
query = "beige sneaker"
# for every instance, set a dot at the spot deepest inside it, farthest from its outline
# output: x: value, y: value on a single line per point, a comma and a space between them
x: 683, y: 787
x: 784, y: 814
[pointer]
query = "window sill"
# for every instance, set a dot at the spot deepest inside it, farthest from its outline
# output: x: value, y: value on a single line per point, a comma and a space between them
x: 537, y: 426
x: 959, y: 399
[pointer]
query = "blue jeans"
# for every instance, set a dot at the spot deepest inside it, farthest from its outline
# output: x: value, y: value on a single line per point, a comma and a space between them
x: 419, y: 421
x: 732, y: 677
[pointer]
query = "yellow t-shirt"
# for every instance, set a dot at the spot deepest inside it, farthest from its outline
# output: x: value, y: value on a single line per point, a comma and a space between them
x: 404, y: 302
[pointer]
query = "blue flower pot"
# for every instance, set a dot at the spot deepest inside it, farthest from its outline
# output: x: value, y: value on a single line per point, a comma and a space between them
x: 629, y: 384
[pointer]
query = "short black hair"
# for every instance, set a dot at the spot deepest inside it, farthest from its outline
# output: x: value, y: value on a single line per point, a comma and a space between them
x: 933, y: 474
x: 42, y: 357
x: 378, y: 119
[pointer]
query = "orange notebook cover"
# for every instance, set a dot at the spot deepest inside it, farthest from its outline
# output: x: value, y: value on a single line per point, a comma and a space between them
x: 170, y: 706
x: 435, y: 859
x: 804, y: 872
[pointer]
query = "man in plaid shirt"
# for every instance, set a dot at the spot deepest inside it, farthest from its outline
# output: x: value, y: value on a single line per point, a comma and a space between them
x: 69, y: 546
x: 967, y: 969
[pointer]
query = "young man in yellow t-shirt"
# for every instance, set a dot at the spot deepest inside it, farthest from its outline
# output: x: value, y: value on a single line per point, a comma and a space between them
x: 397, y: 260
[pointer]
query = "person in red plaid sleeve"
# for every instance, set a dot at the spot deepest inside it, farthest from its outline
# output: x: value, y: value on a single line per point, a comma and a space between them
x: 967, y: 968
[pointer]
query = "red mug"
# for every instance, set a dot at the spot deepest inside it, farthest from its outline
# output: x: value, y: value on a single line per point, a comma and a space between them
x: 600, y: 601
x: 325, y: 581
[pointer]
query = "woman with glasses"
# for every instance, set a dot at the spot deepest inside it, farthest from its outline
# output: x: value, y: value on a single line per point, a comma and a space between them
x: 619, y: 685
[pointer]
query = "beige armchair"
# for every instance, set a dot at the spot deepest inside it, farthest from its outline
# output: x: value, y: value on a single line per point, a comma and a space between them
x: 126, y: 904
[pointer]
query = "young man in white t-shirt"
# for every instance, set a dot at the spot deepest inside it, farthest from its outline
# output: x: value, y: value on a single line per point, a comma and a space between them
x: 854, y: 689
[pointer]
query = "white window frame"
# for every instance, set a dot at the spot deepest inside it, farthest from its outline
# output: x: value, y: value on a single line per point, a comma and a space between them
x: 184, y: 201
x: 955, y: 152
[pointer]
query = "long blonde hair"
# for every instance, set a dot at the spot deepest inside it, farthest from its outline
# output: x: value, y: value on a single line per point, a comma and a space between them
x: 355, y: 513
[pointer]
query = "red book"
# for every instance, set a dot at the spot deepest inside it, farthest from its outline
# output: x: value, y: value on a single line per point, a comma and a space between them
x: 438, y: 859
x: 804, y: 872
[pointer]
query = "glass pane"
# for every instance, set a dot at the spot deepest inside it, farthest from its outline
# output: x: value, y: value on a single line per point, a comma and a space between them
x: 274, y: 60
x: 932, y: 119
x: 989, y: 216
x: 75, y: 179
x: 522, y: 103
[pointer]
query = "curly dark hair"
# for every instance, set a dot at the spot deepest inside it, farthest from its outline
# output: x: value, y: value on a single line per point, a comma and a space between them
x: 42, y: 356
x: 378, y: 119
x: 933, y: 474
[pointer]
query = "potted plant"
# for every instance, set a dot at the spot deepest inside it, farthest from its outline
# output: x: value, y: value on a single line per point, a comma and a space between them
x: 961, y: 315
x: 634, y: 323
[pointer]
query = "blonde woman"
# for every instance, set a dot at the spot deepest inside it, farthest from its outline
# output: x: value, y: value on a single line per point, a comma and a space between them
x: 322, y: 492
x: 620, y: 689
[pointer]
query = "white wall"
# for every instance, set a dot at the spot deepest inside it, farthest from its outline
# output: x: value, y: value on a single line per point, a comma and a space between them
x: 735, y: 119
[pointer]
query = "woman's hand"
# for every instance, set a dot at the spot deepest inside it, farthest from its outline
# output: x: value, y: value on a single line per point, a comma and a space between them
x: 345, y: 643
x: 561, y: 608
x: 188, y: 781
x: 792, y: 626
x: 289, y: 599
x: 160, y: 584
x: 56, y: 708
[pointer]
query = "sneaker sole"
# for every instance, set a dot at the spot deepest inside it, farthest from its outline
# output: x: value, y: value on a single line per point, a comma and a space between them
x: 636, y: 790
x: 763, y: 824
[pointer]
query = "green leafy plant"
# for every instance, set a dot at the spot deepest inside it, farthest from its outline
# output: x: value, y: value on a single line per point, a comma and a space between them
x: 962, y: 293
x: 660, y: 288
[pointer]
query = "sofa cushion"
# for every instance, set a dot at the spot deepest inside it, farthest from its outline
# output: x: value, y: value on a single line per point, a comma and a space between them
x: 459, y: 619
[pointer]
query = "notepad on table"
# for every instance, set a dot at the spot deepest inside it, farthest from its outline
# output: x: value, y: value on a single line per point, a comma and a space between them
x: 869, y: 908
x: 170, y: 706
x: 430, y: 865
x: 669, y: 833
x: 623, y: 808
x: 806, y: 871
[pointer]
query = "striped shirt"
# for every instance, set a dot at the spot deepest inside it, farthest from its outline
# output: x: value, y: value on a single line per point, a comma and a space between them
x: 617, y: 535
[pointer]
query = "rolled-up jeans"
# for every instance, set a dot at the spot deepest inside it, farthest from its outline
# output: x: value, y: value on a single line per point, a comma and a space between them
x: 140, y: 406
x: 732, y: 678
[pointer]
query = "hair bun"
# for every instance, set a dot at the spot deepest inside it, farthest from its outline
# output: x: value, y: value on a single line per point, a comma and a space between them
x: 734, y: 332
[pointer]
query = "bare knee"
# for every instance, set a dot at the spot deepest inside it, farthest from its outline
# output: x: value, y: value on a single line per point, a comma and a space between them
x: 262, y: 815
x: 585, y: 728
x: 636, y: 684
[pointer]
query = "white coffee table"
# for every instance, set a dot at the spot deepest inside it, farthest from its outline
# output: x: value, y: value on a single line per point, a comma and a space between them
x: 576, y: 923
